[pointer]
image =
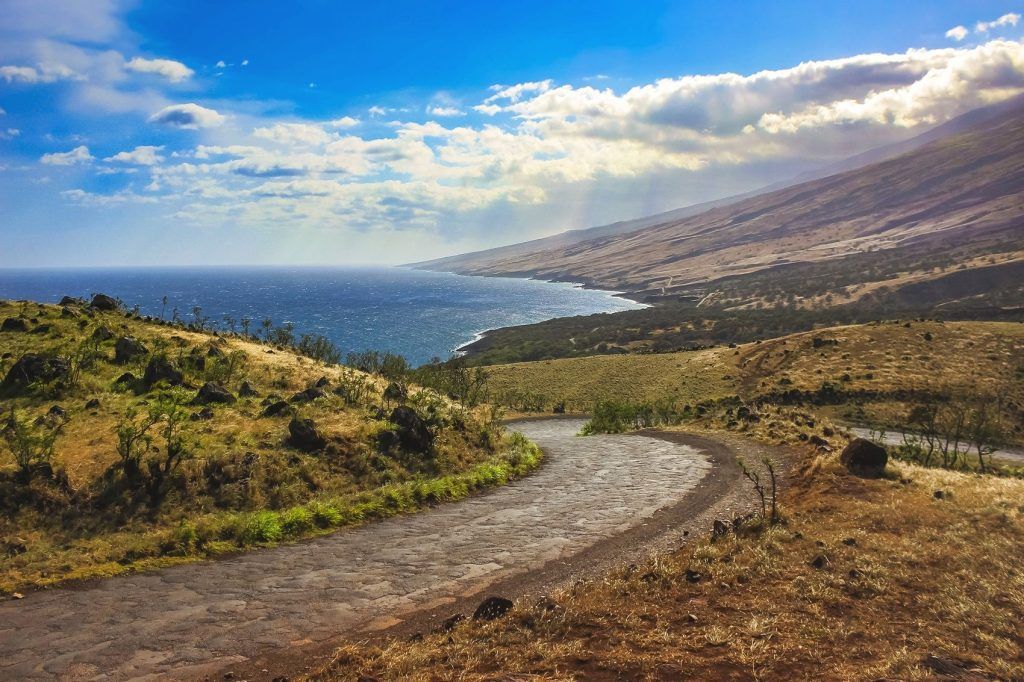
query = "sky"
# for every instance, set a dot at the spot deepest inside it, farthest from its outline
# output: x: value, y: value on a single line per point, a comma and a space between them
x: 322, y: 132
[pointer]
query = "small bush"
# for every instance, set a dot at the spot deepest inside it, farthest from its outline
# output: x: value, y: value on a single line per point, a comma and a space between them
x: 297, y: 520
x: 264, y: 526
x: 325, y: 515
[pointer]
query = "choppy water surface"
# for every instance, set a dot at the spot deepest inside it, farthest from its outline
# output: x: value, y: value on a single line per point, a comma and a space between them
x: 418, y: 314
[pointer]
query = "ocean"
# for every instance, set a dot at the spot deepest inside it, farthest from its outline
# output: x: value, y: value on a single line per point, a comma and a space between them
x: 418, y: 314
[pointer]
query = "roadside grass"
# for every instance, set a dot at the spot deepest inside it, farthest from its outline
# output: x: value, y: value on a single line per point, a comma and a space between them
x: 906, y: 576
x: 242, y: 483
x: 195, y: 538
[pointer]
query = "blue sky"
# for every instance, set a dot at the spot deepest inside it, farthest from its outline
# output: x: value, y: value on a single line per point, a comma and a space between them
x: 328, y: 132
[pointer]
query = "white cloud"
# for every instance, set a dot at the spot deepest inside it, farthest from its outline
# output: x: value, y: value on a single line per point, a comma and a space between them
x: 144, y: 155
x: 166, y: 68
x: 44, y: 73
x: 245, y: 62
x: 344, y: 122
x: 80, y: 196
x: 9, y: 134
x: 377, y: 110
x: 440, y: 110
x: 220, y: 64
x: 1009, y: 19
x: 957, y: 33
x: 77, y: 155
x: 294, y: 134
x: 190, y: 116
x: 514, y: 93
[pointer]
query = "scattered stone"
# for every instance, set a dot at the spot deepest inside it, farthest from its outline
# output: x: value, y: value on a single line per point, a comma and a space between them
x: 214, y: 393
x: 32, y: 368
x: 559, y: 408
x: 719, y: 529
x: 94, y: 403
x: 864, y: 458
x: 126, y: 378
x: 17, y: 595
x: 950, y: 668
x: 941, y: 494
x: 162, y: 369
x: 322, y: 382
x: 307, y: 396
x: 303, y: 434
x: 41, y: 329
x: 103, y: 333
x: 68, y: 312
x: 855, y: 574
x: 820, y: 561
x: 451, y: 622
x: 70, y: 300
x: 14, y: 324
x: 56, y: 413
x: 274, y: 409
x: 850, y: 542
x: 692, y: 576
x: 214, y: 352
x: 247, y: 391
x: 690, y: 618
x: 204, y: 414
x: 492, y: 608
x: 103, y: 302
x: 820, y: 443
x: 413, y: 433
x: 127, y: 348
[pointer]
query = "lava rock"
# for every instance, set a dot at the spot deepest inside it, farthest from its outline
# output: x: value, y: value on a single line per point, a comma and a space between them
x: 864, y: 458
x: 103, y: 302
x: 303, y: 434
x: 102, y: 333
x: 452, y: 622
x: 820, y: 561
x: 93, y: 403
x: 274, y: 409
x: 126, y: 378
x: 214, y: 393
x: 322, y: 382
x: 202, y: 415
x: 719, y: 529
x: 214, y: 352
x: 247, y: 391
x: 162, y: 369
x: 127, y: 348
x: 14, y: 324
x: 413, y: 433
x: 57, y: 413
x: 307, y: 396
x: 70, y: 300
x: 31, y: 368
x: 492, y: 608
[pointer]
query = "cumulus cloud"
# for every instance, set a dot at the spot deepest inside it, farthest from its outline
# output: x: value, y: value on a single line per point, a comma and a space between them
x: 9, y: 134
x: 220, y: 64
x: 514, y: 93
x: 145, y: 155
x: 957, y: 33
x: 294, y: 134
x: 190, y: 116
x: 166, y: 68
x: 440, y: 110
x: 77, y: 155
x: 80, y: 196
x: 344, y: 122
x: 1008, y: 19
x: 44, y: 73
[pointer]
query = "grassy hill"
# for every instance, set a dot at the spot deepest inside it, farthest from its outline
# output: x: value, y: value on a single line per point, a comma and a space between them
x: 129, y: 443
x: 868, y: 371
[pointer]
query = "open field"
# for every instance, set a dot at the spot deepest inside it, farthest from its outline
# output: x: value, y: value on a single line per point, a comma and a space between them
x: 104, y: 469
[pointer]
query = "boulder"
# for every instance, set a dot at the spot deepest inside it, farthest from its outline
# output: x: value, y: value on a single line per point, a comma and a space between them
x: 492, y: 608
x: 214, y: 393
x: 57, y: 413
x: 307, y: 396
x: 102, y: 333
x: 247, y: 391
x: 126, y: 378
x: 127, y: 348
x: 162, y: 369
x: 70, y: 300
x: 31, y: 368
x: 202, y: 415
x: 303, y: 434
x: 14, y: 324
x: 864, y: 458
x: 322, y: 382
x: 103, y: 302
x: 93, y: 403
x: 69, y: 312
x: 412, y: 432
x: 41, y: 329
x: 274, y: 409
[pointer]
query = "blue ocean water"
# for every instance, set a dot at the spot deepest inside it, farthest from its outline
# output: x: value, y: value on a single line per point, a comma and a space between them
x: 415, y: 313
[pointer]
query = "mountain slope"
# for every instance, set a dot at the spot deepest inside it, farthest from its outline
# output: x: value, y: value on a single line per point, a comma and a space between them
x: 961, y: 188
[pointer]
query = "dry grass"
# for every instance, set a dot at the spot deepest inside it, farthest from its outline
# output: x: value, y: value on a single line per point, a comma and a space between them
x: 908, y: 576
x: 579, y: 382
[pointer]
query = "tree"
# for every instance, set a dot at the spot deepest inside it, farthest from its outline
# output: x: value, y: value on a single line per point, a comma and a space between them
x: 31, y: 445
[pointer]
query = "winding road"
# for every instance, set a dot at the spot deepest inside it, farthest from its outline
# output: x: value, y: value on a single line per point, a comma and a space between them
x: 194, y: 620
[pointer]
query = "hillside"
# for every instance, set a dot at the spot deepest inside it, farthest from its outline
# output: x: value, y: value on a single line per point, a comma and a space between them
x: 466, y: 263
x: 127, y: 443
x: 954, y: 199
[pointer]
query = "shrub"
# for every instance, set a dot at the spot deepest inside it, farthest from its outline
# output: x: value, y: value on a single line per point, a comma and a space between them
x: 263, y: 526
x: 325, y: 514
x: 297, y: 520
